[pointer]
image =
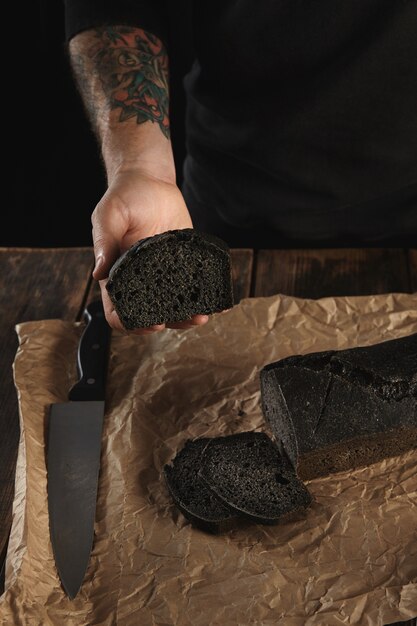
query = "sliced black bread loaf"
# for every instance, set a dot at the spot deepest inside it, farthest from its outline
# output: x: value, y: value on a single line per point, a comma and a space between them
x: 170, y: 277
x: 343, y: 409
x: 249, y: 474
x: 191, y: 495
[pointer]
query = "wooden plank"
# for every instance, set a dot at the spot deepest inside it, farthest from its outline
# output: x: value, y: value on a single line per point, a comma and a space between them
x: 242, y: 266
x: 34, y: 285
x: 319, y: 273
x: 412, y: 269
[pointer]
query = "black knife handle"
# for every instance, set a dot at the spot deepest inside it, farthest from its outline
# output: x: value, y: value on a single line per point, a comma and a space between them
x: 93, y: 354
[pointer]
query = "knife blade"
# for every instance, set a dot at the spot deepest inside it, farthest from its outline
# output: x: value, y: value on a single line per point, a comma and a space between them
x: 73, y: 454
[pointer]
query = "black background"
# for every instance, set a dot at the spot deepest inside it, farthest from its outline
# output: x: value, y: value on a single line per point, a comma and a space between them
x: 63, y: 174
x: 57, y: 176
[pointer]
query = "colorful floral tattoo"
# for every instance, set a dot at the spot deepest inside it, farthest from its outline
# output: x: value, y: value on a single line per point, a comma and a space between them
x: 133, y: 69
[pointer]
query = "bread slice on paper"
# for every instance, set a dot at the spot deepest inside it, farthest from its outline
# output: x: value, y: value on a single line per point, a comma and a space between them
x: 222, y: 481
x: 170, y: 277
x: 190, y: 494
x: 248, y: 472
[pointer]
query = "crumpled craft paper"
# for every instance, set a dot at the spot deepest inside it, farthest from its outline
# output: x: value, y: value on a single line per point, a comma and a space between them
x: 351, y: 560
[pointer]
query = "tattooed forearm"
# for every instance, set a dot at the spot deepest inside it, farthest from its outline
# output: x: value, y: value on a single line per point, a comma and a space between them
x: 133, y: 69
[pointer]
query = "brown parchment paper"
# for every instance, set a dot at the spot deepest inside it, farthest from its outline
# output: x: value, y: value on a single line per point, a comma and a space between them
x: 352, y: 560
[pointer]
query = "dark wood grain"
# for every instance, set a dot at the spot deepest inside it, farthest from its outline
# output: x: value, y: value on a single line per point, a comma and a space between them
x: 242, y: 265
x: 93, y: 291
x: 34, y: 285
x: 412, y: 266
x: 340, y: 272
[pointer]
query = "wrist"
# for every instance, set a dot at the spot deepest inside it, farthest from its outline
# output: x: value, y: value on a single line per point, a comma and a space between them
x: 142, y: 148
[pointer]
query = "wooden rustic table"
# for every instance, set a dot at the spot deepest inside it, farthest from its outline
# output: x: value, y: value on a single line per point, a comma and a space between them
x: 50, y: 283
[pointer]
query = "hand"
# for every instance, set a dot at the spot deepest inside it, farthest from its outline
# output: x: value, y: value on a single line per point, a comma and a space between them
x: 136, y: 205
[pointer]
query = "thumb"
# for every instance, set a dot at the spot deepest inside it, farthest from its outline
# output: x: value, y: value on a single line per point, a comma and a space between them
x: 108, y: 232
x: 106, y: 252
x: 99, y: 271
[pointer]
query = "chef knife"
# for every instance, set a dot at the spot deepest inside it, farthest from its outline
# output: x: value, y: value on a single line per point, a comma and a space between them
x: 73, y: 454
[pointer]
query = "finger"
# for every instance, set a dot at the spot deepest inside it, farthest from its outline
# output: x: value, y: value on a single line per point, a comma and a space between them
x: 106, y: 251
x: 196, y: 320
x: 109, y: 311
x: 114, y: 320
x: 199, y: 320
x: 149, y: 330
x: 108, y: 231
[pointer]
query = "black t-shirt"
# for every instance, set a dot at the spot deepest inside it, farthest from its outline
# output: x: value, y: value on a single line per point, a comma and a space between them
x: 301, y: 114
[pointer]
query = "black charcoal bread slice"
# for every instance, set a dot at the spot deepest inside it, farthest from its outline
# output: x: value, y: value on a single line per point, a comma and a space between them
x: 191, y: 495
x: 343, y: 409
x: 170, y: 277
x: 248, y: 472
